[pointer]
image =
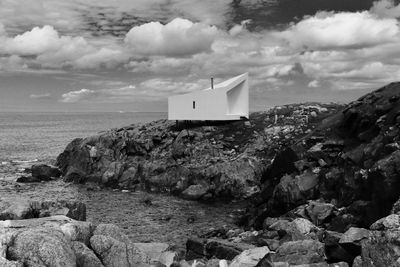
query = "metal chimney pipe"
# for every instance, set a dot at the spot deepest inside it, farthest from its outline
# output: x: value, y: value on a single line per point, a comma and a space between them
x: 212, y: 83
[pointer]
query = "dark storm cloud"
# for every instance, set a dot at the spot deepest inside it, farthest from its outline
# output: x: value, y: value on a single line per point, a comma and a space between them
x: 272, y: 14
x: 105, y: 21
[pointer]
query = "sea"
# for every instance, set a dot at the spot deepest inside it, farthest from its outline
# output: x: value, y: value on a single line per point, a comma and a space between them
x: 26, y: 138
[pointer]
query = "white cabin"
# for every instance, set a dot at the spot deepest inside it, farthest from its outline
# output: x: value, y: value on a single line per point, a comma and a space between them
x: 228, y: 100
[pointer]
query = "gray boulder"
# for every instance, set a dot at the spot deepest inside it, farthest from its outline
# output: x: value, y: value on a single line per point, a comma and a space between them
x: 114, y: 253
x: 6, y: 263
x: 84, y: 256
x: 250, y: 257
x: 391, y: 222
x: 78, y: 231
x: 42, y: 247
x: 300, y: 252
x: 320, y: 212
x: 293, y: 191
x: 135, y: 255
x: 354, y: 236
x: 298, y: 229
x: 381, y: 248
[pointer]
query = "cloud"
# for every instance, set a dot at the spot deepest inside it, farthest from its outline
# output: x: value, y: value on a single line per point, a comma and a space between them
x: 151, y: 89
x: 372, y: 71
x: 159, y: 87
x: 386, y: 9
x: 314, y: 84
x: 328, y: 30
x: 235, y: 30
x: 180, y: 37
x: 153, y: 54
x: 122, y: 94
x: 35, y: 42
x: 40, y: 96
x: 43, y: 47
x: 77, y: 96
x: 105, y: 57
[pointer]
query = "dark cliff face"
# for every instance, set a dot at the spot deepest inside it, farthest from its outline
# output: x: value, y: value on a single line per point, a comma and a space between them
x: 352, y: 160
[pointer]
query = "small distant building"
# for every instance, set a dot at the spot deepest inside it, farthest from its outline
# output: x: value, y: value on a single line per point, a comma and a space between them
x: 228, y: 100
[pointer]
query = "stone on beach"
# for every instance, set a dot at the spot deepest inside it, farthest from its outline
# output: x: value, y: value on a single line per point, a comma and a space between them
x: 62, y: 241
x: 45, y: 172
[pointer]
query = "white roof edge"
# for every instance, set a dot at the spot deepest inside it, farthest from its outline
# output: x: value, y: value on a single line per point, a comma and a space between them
x: 225, y: 85
x: 228, y: 83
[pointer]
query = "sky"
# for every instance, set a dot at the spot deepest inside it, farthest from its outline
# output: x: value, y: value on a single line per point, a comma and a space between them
x: 130, y: 55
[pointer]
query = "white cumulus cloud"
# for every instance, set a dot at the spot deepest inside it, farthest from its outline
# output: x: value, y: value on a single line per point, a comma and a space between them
x: 180, y: 37
x: 386, y: 8
x: 41, y: 40
x: 328, y: 30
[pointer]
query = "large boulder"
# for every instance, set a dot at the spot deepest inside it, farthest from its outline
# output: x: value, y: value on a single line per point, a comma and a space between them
x: 112, y: 252
x: 298, y: 229
x: 300, y: 252
x: 84, y: 256
x: 390, y: 222
x: 293, y: 191
x: 78, y: 231
x: 320, y: 212
x: 381, y: 248
x: 6, y: 263
x: 351, y: 240
x: 42, y: 247
x: 250, y: 257
x: 75, y: 162
x: 117, y: 239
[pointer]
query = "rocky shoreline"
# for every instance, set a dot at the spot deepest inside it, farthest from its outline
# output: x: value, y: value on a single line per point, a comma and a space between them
x: 320, y: 182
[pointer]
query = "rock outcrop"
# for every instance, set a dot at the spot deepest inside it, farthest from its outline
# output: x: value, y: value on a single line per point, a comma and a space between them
x: 197, y: 161
x: 348, y: 166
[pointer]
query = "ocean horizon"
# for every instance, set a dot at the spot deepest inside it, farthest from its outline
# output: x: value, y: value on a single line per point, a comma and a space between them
x: 42, y: 136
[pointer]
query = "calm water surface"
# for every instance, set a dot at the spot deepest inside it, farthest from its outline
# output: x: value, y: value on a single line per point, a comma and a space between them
x: 30, y: 136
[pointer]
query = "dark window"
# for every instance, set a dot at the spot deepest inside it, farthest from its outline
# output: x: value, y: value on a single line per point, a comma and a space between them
x: 194, y: 104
